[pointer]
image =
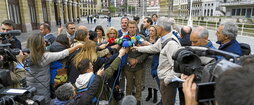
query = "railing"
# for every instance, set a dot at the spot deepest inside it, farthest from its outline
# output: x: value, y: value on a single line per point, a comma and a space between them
x: 244, y: 29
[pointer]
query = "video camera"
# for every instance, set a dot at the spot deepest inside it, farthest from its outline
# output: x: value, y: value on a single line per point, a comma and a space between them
x: 207, y: 64
x: 10, y: 33
x: 24, y: 96
x: 8, y: 55
x: 6, y: 37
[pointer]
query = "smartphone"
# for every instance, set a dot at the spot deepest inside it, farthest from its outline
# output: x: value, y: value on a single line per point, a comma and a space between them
x: 205, y: 91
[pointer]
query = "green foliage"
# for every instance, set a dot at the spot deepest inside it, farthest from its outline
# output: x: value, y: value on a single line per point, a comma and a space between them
x: 112, y: 9
x: 131, y: 8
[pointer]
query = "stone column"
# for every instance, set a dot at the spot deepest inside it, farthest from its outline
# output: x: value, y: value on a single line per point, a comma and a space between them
x: 86, y: 7
x: 39, y: 14
x: 70, y: 11
x: 74, y: 10
x: 51, y: 12
x: 3, y: 10
x: 78, y: 10
x: 66, y: 12
x: 25, y: 16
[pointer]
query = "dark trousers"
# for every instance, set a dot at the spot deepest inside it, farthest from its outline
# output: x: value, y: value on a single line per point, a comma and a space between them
x: 168, y: 93
x: 181, y: 96
x: 138, y: 75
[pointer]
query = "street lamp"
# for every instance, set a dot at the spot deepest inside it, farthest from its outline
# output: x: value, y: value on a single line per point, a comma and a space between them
x: 143, y: 9
x: 190, y: 20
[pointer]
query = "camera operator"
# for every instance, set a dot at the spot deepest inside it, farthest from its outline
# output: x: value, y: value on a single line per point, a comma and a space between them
x: 8, y: 25
x: 18, y: 73
x: 233, y: 87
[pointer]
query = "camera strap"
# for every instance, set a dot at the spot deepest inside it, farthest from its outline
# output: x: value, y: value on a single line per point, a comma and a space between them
x: 166, y: 41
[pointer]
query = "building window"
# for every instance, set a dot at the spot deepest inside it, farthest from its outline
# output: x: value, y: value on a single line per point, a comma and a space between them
x: 253, y: 12
x: 212, y: 4
x: 238, y: 12
x: 205, y: 13
x: 233, y: 12
x: 205, y: 4
x: 243, y: 11
x: 211, y: 12
x: 208, y: 12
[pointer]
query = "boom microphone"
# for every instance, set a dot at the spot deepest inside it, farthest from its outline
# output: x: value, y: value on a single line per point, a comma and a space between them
x: 12, y: 33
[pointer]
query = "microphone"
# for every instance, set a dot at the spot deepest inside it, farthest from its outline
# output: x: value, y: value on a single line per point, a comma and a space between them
x: 126, y: 44
x: 126, y: 37
x: 139, y: 39
x: 111, y: 41
x: 12, y: 32
x: 119, y: 41
x: 133, y: 39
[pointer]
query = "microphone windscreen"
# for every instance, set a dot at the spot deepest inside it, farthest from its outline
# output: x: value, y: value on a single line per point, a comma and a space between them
x: 111, y: 40
x: 14, y: 32
x: 126, y: 44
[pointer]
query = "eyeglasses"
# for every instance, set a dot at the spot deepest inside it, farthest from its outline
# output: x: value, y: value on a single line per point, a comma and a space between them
x: 112, y: 33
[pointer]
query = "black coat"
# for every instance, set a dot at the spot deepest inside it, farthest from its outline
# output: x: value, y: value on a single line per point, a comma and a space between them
x: 185, y: 41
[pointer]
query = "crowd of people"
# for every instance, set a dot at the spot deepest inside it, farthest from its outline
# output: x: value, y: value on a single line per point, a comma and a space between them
x: 82, y: 67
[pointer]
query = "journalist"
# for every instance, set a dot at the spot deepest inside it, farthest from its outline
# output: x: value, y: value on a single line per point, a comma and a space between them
x: 185, y: 36
x: 233, y: 87
x: 16, y: 66
x: 39, y: 73
x: 8, y: 25
x: 64, y: 95
x: 226, y: 37
x: 18, y: 73
x: 166, y: 45
x: 199, y: 37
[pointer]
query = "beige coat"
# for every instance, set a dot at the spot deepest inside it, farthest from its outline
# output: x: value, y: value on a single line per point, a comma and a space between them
x: 165, y: 68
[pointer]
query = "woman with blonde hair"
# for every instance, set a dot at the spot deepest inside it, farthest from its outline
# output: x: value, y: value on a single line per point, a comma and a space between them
x: 38, y: 75
x: 88, y: 51
x: 111, y: 33
x: 151, y: 77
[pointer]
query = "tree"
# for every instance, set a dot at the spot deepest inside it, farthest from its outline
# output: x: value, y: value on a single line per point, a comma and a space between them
x: 112, y: 9
x: 131, y: 8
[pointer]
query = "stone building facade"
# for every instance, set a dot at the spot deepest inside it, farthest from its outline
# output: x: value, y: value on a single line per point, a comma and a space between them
x: 29, y: 14
x: 239, y: 8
